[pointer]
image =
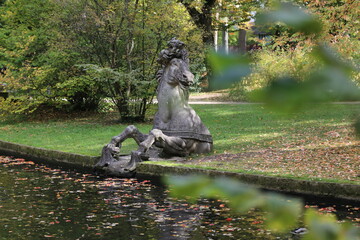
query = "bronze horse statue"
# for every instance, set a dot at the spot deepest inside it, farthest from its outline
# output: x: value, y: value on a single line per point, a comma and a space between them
x: 177, y: 129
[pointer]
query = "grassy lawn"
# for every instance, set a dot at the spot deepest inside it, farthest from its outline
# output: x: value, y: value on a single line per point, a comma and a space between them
x: 83, y: 135
x: 316, y: 144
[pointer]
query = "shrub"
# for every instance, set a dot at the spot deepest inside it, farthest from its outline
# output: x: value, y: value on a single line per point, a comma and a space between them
x: 268, y: 65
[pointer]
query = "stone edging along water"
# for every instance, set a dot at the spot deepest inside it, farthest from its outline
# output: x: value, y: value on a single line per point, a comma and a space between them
x: 338, y: 190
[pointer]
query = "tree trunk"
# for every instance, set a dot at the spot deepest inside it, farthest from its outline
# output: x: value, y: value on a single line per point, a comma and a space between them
x: 216, y: 34
x: 202, y: 19
x: 225, y: 38
x: 123, y: 108
x: 242, y: 41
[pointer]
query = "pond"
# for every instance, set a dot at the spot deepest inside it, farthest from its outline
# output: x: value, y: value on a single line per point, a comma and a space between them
x: 39, y: 202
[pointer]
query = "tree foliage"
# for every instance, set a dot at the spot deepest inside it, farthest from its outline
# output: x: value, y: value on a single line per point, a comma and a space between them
x: 47, y: 43
x: 308, y: 37
x: 24, y: 37
x: 203, y: 14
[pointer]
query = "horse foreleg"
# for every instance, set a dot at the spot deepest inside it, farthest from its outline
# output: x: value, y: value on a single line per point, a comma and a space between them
x: 113, y: 147
x: 129, y: 132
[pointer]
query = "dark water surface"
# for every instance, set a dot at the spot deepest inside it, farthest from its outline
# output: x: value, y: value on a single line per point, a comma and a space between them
x: 39, y: 202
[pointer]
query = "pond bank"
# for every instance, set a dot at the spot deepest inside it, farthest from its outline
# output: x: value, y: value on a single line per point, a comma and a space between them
x: 338, y: 190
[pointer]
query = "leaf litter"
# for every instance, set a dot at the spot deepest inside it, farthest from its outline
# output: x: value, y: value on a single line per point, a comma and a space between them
x: 327, y: 152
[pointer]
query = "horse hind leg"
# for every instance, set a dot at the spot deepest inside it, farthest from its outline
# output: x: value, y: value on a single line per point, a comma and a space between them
x: 172, y: 145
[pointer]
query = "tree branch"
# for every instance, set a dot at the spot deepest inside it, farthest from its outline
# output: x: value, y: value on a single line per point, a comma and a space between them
x: 195, y: 14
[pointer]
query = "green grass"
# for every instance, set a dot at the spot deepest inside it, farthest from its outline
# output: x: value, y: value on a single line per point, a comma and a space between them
x: 80, y: 135
x: 283, y: 144
x: 235, y: 128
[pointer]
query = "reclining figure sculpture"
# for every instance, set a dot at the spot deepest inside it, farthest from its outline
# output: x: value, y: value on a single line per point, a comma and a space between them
x: 177, y: 129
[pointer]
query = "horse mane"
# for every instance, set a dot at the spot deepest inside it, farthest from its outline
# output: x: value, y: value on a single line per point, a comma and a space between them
x: 175, y: 50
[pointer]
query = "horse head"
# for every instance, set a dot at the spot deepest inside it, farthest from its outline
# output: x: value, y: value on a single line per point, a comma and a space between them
x: 179, y: 73
x: 175, y: 65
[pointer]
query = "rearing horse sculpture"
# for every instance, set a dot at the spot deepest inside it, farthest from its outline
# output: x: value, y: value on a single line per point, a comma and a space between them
x: 177, y: 129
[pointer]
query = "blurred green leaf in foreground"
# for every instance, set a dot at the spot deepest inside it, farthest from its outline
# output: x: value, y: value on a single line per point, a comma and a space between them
x: 228, y: 69
x: 330, y: 80
x: 291, y: 15
x: 282, y: 214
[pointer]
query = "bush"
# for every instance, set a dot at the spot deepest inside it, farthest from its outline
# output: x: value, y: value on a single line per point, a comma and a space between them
x: 268, y: 65
x: 299, y: 63
x: 18, y: 106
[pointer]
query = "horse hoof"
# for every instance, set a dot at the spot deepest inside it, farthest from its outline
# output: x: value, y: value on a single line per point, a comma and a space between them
x: 136, y: 156
x: 144, y: 157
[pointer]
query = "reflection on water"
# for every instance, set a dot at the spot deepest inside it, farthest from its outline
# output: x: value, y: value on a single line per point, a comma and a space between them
x: 38, y: 202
